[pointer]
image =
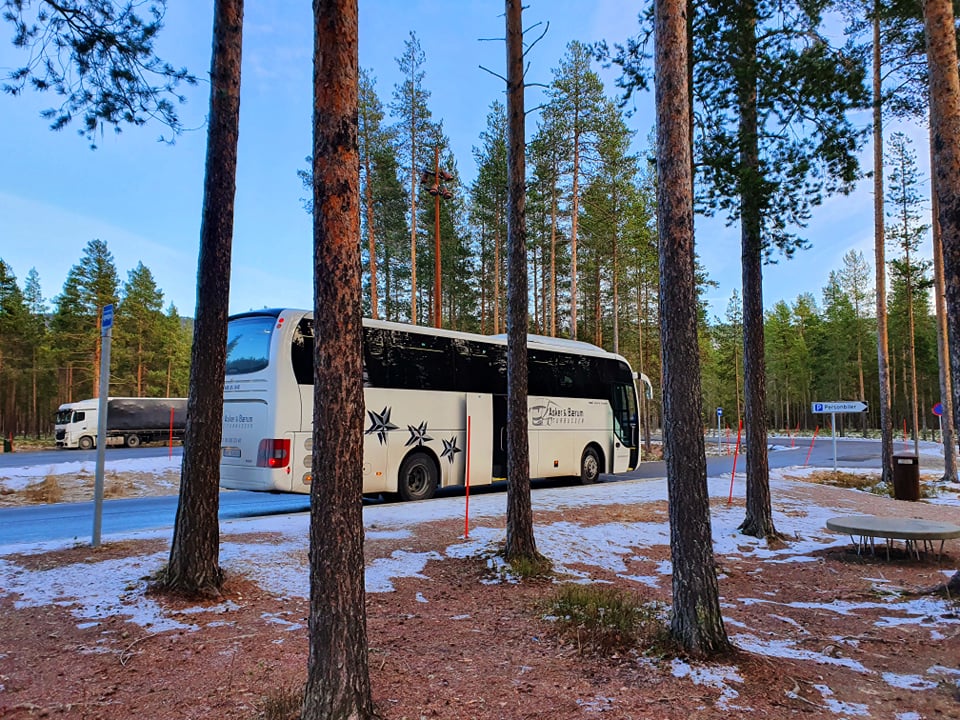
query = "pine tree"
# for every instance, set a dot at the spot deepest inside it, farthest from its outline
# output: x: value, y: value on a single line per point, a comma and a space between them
x: 98, y: 58
x: 13, y: 350
x: 194, y: 563
x: 757, y: 65
x: 906, y: 231
x: 338, y: 679
x: 41, y: 381
x: 489, y: 196
x: 576, y: 97
x: 413, y: 130
x: 139, y: 333
x: 697, y: 621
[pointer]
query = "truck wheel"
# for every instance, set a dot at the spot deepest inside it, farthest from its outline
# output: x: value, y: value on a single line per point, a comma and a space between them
x: 86, y: 443
x: 418, y: 477
x: 133, y: 441
x: 589, y: 466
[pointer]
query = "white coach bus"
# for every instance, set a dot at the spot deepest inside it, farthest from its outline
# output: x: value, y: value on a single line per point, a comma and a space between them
x: 436, y: 408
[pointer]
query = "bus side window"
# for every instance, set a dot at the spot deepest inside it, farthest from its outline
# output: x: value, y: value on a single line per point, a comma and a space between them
x: 421, y: 362
x: 301, y: 352
x: 541, y: 368
x: 376, y: 365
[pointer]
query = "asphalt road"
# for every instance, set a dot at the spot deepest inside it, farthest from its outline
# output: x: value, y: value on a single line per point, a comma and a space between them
x: 39, y: 523
x: 52, y: 457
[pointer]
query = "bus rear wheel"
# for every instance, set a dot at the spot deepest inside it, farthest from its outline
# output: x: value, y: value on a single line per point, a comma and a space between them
x: 589, y: 466
x: 418, y: 477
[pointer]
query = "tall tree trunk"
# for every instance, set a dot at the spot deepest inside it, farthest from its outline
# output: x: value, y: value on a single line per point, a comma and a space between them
x: 945, y: 129
x: 943, y: 342
x: 194, y: 567
x: 413, y: 211
x: 574, y: 220
x: 521, y: 544
x: 496, y: 271
x: 553, y: 262
x: 697, y: 622
x: 913, y: 359
x: 338, y: 679
x: 883, y: 346
x: 371, y: 243
x: 759, y: 516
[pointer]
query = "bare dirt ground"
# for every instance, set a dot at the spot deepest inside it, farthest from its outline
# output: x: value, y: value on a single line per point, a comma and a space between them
x: 458, y: 642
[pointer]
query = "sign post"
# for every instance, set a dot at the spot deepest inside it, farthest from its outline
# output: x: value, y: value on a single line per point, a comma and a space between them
x: 106, y: 335
x: 841, y: 406
x: 719, y: 415
x: 938, y: 411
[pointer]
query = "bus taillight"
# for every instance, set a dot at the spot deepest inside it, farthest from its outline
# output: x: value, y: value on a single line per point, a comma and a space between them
x: 273, y: 453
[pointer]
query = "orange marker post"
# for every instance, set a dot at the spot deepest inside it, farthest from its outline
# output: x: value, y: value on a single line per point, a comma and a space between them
x: 815, y: 431
x: 736, y: 453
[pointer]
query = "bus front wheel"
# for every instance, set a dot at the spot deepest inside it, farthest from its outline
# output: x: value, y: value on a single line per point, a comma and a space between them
x: 418, y: 477
x: 86, y: 443
x: 589, y: 466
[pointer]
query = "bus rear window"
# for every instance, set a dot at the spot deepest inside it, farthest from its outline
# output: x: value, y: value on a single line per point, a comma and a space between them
x: 248, y: 344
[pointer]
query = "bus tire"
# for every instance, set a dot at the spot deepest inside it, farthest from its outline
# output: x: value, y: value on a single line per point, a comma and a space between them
x: 418, y: 477
x: 589, y: 466
x: 85, y: 443
x: 133, y: 440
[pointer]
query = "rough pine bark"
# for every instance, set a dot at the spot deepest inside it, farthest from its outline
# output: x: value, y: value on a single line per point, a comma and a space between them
x: 943, y: 345
x: 194, y: 567
x: 759, y: 516
x: 338, y: 680
x: 696, y: 622
x: 880, y: 262
x: 945, y: 128
x: 521, y: 544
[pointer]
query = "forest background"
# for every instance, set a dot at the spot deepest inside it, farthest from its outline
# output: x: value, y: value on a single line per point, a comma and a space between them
x: 584, y: 166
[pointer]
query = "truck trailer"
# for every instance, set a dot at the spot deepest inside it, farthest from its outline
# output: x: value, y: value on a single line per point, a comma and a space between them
x: 130, y: 421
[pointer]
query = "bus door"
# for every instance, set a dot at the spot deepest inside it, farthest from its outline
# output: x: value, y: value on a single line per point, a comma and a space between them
x: 481, y: 441
x: 499, y: 436
x: 626, y: 445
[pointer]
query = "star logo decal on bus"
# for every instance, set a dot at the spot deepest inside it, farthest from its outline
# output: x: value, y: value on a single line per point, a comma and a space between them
x: 418, y: 435
x: 450, y: 449
x: 380, y: 424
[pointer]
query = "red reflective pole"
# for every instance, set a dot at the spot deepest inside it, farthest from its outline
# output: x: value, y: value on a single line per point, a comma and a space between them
x: 816, y: 430
x: 736, y: 453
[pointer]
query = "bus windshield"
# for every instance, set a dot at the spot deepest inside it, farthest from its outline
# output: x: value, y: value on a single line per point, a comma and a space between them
x: 248, y: 344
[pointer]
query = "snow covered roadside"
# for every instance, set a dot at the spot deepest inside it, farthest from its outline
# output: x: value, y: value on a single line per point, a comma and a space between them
x: 271, y: 552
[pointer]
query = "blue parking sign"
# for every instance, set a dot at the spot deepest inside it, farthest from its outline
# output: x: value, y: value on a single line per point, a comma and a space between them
x: 107, y: 321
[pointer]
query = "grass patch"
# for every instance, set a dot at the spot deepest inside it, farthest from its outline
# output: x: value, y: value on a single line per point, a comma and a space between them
x: 527, y: 568
x: 283, y: 703
x: 605, y: 619
x: 47, y: 490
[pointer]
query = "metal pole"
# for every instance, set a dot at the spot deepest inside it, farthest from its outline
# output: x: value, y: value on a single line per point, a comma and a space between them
x: 719, y: 448
x: 833, y: 426
x: 106, y: 335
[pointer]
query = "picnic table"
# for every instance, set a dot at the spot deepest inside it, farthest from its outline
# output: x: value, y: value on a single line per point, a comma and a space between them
x: 911, y: 530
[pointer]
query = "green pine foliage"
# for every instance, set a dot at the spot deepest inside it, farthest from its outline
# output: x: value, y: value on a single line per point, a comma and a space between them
x: 49, y: 356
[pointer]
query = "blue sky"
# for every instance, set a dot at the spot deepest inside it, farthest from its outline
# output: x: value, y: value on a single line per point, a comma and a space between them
x: 143, y: 197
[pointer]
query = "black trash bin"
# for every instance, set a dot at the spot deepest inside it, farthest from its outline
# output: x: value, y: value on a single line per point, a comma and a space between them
x: 8, y: 444
x: 906, y: 477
